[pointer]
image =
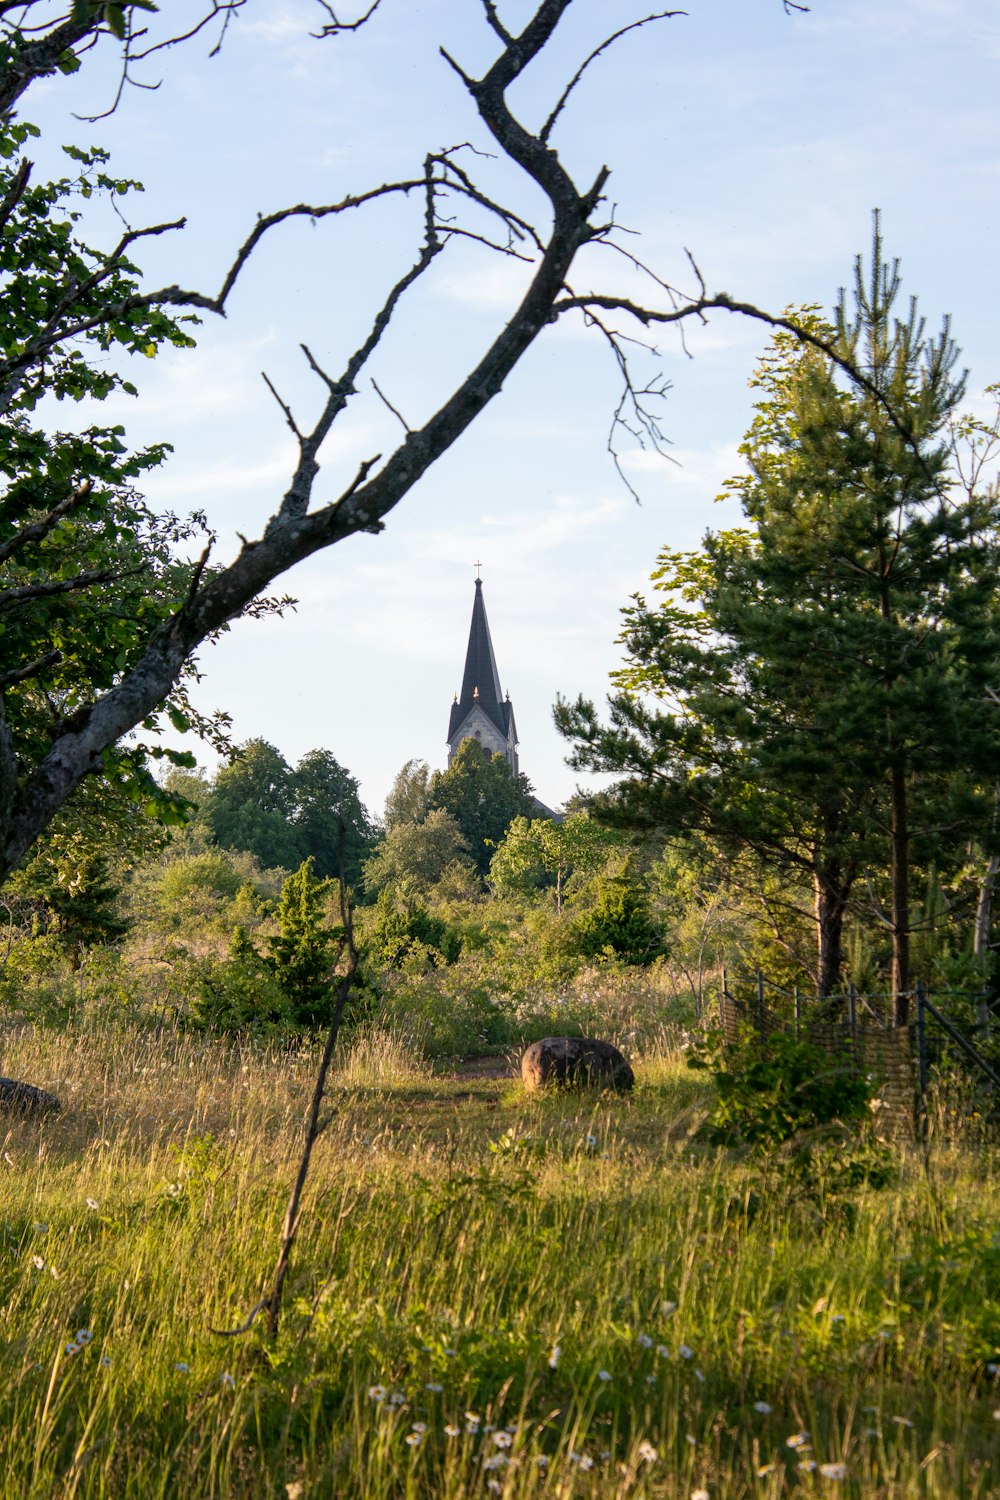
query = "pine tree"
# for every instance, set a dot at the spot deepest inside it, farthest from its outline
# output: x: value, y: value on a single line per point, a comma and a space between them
x: 819, y: 680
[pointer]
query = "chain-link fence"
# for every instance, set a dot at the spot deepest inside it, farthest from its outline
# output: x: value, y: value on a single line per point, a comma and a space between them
x: 861, y: 1032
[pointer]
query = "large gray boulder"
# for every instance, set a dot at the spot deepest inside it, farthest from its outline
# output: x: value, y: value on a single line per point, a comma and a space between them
x: 24, y: 1099
x: 578, y: 1060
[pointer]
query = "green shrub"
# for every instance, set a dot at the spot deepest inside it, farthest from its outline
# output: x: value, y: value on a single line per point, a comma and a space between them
x: 767, y: 1096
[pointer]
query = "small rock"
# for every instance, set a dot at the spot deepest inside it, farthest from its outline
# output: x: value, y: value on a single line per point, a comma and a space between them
x: 566, y: 1060
x: 24, y: 1099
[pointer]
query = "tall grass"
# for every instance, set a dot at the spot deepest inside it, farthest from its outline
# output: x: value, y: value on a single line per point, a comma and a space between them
x: 491, y: 1294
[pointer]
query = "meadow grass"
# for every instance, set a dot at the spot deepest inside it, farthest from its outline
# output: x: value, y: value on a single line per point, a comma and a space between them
x: 490, y: 1294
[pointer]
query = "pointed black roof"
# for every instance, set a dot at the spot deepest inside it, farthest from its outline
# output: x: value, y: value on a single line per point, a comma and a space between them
x: 481, y: 682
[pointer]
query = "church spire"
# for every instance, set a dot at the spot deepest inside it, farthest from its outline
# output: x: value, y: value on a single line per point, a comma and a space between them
x: 481, y: 711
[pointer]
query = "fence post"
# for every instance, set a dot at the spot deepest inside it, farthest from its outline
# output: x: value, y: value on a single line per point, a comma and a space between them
x: 722, y: 1002
x: 760, y: 1009
x: 852, y: 1015
x: 798, y: 1012
x: 921, y: 1063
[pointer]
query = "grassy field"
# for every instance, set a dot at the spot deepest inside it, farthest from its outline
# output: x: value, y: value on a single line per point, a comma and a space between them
x: 491, y: 1294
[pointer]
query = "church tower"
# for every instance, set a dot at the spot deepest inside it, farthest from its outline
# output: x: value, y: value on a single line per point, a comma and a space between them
x: 480, y: 712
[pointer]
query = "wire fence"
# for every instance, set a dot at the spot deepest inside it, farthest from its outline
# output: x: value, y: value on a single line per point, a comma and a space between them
x: 862, y: 1032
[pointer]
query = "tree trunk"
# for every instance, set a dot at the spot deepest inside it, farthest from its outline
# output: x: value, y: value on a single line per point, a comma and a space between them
x: 830, y: 902
x: 900, y: 898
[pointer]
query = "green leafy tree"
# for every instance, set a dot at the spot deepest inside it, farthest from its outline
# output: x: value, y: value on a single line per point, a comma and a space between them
x: 407, y: 799
x: 252, y: 806
x: 417, y: 855
x: 484, y: 796
x: 816, y: 688
x: 324, y: 796
x: 539, y: 853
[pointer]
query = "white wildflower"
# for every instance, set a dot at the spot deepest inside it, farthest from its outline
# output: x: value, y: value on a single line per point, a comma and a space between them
x: 554, y: 1356
x: 797, y: 1440
x: 182, y: 1367
x: 807, y: 1465
x: 38, y: 1263
x: 686, y: 1352
x: 72, y: 1348
x: 93, y: 1204
x: 377, y: 1393
x: 414, y: 1439
x: 420, y: 1427
x: 666, y: 1308
x: 833, y: 1471
x: 699, y: 1495
x: 663, y: 1351
x: 433, y: 1386
x: 228, y: 1381
x: 84, y: 1335
x: 502, y: 1439
x: 644, y: 1341
x: 450, y: 1430
x: 902, y: 1421
x: 763, y: 1407
x: 646, y: 1453
x: 604, y: 1375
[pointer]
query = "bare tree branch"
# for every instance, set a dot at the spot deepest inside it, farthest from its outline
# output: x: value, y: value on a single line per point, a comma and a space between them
x: 662, y: 15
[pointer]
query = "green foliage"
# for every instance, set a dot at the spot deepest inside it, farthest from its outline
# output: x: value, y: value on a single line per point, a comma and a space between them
x: 407, y: 799
x: 303, y: 955
x: 619, y: 923
x: 810, y: 687
x: 401, y: 933
x: 417, y: 855
x: 89, y: 570
x: 283, y: 816
x: 240, y: 993
x: 767, y: 1095
x: 483, y: 796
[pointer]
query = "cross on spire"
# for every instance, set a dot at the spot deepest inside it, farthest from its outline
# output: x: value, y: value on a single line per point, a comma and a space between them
x: 478, y: 566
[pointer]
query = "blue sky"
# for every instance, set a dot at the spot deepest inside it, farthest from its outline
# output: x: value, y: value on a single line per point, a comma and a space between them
x: 759, y: 142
